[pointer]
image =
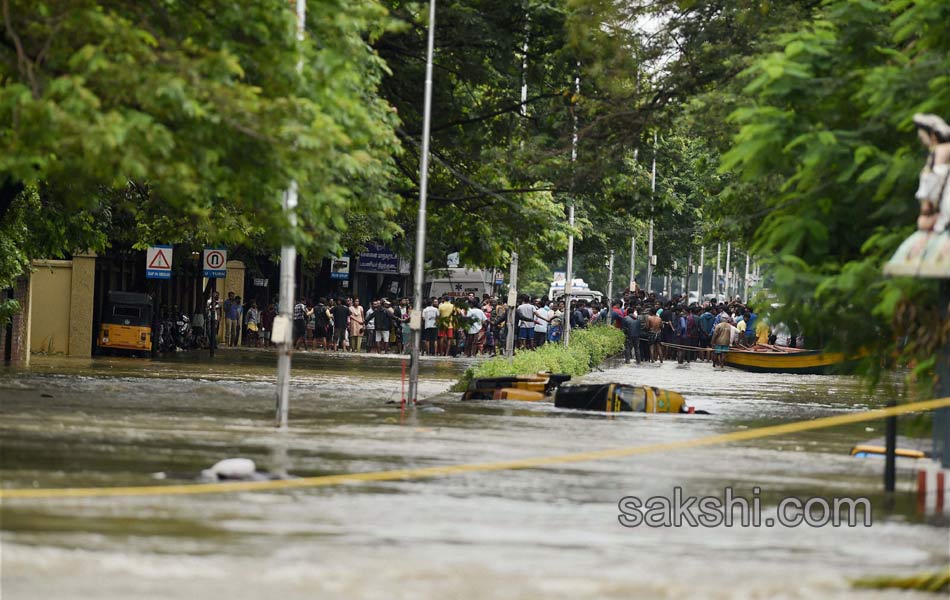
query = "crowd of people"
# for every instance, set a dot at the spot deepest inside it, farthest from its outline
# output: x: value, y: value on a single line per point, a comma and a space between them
x: 658, y: 330
x: 655, y: 329
x: 451, y: 326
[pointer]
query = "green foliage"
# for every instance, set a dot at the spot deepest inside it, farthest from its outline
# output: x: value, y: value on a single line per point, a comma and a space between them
x: 829, y: 116
x: 34, y: 227
x: 191, y: 118
x: 8, y: 308
x: 588, y: 348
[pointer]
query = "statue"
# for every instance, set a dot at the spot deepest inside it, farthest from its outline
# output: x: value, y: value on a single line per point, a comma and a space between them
x: 926, y: 253
x: 934, y: 193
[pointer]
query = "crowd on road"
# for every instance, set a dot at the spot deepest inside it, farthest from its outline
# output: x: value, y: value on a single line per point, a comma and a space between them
x: 656, y: 329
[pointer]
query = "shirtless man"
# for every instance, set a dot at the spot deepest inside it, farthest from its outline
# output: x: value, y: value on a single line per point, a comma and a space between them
x: 654, y: 325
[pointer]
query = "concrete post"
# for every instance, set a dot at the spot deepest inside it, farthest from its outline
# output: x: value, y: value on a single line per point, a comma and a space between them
x: 81, y: 295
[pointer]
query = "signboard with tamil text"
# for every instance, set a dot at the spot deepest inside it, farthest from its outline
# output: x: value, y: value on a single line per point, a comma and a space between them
x: 378, y: 259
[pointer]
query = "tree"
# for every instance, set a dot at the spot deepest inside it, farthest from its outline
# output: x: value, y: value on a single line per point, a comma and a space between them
x: 830, y: 118
x: 191, y: 118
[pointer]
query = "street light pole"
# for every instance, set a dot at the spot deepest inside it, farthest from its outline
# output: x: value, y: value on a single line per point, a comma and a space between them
x: 512, y: 304
x: 610, y: 278
x: 649, y: 281
x: 288, y: 261
x: 699, y: 273
x: 569, y: 280
x: 633, y: 263
x: 745, y: 285
x: 728, y: 272
x: 415, y: 320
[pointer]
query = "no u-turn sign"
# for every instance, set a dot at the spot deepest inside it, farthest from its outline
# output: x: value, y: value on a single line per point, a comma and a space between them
x: 214, y: 263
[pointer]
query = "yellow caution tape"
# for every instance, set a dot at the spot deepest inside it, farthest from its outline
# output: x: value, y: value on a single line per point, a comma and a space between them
x: 505, y: 465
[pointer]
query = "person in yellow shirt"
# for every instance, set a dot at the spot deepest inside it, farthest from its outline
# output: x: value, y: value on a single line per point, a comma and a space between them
x: 446, y: 325
x: 741, y: 326
x: 762, y: 331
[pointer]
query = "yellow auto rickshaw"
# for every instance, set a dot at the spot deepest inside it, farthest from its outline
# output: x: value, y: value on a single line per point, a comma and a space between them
x: 126, y: 323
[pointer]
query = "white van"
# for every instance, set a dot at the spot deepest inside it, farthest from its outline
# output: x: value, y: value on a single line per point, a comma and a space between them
x: 457, y: 281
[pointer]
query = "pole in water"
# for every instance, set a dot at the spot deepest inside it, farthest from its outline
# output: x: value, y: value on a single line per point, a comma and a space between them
x: 415, y: 319
x: 941, y: 418
x: 288, y: 262
x: 890, y: 450
x: 213, y: 314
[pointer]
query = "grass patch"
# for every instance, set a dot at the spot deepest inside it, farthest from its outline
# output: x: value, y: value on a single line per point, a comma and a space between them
x: 588, y: 348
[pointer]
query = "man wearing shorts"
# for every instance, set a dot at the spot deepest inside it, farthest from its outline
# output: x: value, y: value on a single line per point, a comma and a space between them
x: 383, y: 319
x: 446, y: 322
x: 524, y: 316
x: 430, y: 324
x: 721, y: 337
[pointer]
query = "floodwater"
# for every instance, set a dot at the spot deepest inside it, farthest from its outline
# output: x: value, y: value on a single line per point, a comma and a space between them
x: 548, y: 532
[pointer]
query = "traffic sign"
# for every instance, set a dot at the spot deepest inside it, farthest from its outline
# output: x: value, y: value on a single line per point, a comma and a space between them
x: 158, y: 262
x: 214, y: 263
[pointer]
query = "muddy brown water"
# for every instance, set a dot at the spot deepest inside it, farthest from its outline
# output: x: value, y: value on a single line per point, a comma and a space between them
x: 547, y: 532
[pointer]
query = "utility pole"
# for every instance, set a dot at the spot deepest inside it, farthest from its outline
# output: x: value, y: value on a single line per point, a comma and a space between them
x: 569, y: 282
x: 649, y: 282
x: 746, y: 285
x: 610, y: 277
x: 633, y: 263
x: 686, y: 276
x: 288, y: 262
x: 699, y: 273
x: 415, y: 319
x: 716, y: 286
x: 512, y: 303
x: 728, y: 271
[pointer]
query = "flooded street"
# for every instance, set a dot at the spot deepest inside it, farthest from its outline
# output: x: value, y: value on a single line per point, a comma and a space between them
x: 548, y: 532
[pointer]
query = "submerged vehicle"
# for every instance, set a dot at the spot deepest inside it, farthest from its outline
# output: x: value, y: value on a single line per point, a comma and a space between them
x: 126, y: 323
x: 618, y: 397
x: 766, y: 358
x: 527, y: 388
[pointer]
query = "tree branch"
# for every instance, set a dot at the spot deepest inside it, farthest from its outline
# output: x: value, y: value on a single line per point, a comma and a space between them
x: 23, y: 61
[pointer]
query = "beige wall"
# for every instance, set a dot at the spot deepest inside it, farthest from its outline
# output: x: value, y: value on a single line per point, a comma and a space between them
x: 60, y: 309
x: 49, y: 322
x: 234, y: 282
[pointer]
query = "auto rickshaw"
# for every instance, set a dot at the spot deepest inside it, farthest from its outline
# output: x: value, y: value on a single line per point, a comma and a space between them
x: 617, y: 397
x: 126, y: 323
x: 526, y: 388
